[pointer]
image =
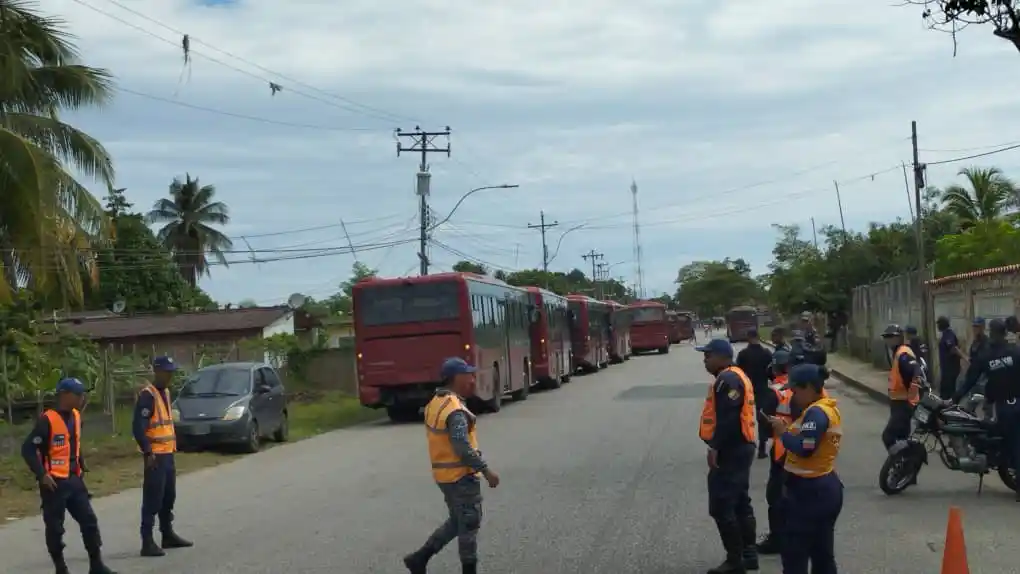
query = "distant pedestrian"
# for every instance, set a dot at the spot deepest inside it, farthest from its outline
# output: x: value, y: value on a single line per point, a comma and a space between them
x: 756, y: 362
x: 53, y: 453
x: 456, y: 466
x: 153, y: 429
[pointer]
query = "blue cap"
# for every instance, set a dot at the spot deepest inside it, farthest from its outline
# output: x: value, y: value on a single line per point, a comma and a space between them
x: 979, y: 321
x: 805, y: 375
x: 71, y: 385
x: 163, y: 363
x: 910, y: 330
x: 454, y: 366
x: 717, y: 347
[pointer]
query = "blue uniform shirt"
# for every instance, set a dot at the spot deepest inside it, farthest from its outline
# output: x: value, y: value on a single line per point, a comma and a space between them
x: 947, y: 357
x: 812, y: 429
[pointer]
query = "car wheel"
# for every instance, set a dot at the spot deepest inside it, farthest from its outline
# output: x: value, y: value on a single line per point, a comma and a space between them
x: 254, y: 442
x: 283, y: 432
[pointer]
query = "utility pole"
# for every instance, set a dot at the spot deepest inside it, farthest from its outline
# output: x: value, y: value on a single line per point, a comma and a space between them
x: 814, y: 233
x: 919, y: 172
x: 839, y: 201
x: 603, y: 275
x: 594, y: 256
x: 424, y: 143
x: 545, y: 248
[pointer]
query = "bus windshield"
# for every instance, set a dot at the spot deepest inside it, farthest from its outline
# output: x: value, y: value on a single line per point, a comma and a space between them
x: 649, y: 314
x: 395, y: 304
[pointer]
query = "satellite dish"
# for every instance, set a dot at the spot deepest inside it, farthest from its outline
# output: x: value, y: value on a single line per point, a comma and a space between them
x: 118, y: 306
x: 296, y: 300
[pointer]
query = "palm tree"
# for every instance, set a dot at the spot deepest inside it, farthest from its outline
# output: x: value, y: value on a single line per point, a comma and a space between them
x: 189, y: 215
x: 46, y: 216
x: 990, y: 196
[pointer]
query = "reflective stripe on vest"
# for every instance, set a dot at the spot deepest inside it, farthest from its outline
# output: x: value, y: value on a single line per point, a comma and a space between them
x: 160, y: 431
x: 784, y: 400
x: 900, y: 390
x: 748, y: 415
x: 447, y: 466
x: 58, y: 456
x: 823, y: 459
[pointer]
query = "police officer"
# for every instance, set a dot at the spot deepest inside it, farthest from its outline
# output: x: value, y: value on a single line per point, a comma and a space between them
x: 153, y: 429
x: 808, y: 328
x: 729, y: 428
x: 778, y: 337
x: 53, y: 453
x: 802, y: 351
x: 979, y: 340
x: 456, y: 465
x: 904, y: 386
x: 813, y: 492
x: 772, y: 543
x: 950, y: 357
x: 755, y: 360
x: 999, y: 361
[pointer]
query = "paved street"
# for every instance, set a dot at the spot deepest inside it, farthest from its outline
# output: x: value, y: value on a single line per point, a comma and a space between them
x: 606, y: 475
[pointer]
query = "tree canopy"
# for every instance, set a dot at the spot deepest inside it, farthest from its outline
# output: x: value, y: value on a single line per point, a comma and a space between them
x: 953, y: 15
x: 711, y: 288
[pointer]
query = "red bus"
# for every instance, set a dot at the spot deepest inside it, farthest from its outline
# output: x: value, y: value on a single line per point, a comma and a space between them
x: 550, y: 338
x: 649, y: 330
x: 674, y: 327
x: 739, y: 320
x: 619, y: 340
x: 590, y: 333
x: 685, y: 321
x: 405, y: 328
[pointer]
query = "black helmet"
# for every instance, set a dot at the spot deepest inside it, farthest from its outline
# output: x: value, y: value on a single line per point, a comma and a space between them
x: 892, y: 330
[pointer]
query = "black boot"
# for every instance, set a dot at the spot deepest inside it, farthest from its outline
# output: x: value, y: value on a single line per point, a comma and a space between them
x: 417, y: 562
x: 770, y: 545
x: 469, y: 569
x: 96, y: 564
x: 99, y: 568
x: 172, y: 540
x: 150, y: 548
x: 59, y: 564
x: 748, y: 534
x: 733, y: 542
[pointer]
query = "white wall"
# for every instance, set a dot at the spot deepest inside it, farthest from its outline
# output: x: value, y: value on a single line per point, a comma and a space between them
x: 284, y: 325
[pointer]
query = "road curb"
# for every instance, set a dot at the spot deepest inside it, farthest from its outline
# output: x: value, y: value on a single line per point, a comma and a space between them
x: 875, y: 394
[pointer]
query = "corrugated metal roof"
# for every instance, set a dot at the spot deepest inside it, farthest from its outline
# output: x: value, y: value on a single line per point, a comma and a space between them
x: 130, y: 326
x: 1014, y: 268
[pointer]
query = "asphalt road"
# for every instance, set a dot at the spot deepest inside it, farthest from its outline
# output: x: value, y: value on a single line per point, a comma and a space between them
x: 605, y: 475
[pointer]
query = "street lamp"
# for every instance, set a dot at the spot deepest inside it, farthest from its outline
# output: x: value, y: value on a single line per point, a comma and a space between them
x: 467, y: 195
x: 556, y: 251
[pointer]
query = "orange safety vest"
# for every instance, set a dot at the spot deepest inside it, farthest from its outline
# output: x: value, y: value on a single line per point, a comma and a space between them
x: 900, y: 390
x: 447, y: 466
x: 160, y: 431
x: 784, y: 398
x: 59, y: 456
x: 748, y: 416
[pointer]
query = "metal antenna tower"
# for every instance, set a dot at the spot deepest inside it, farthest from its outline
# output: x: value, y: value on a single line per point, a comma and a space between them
x: 639, y: 274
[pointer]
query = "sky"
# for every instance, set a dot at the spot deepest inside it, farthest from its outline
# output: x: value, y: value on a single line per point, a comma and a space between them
x: 730, y: 117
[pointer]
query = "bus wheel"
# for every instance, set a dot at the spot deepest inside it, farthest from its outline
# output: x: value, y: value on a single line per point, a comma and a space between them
x: 402, y: 413
x: 522, y: 393
x: 664, y: 350
x: 496, y: 402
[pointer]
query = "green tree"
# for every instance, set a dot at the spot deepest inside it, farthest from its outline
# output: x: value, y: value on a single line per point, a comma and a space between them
x: 188, y: 233
x: 247, y: 304
x: 341, y: 302
x: 986, y: 244
x: 988, y: 197
x: 712, y: 287
x: 470, y: 267
x: 116, y: 203
x: 954, y: 15
x: 47, y: 218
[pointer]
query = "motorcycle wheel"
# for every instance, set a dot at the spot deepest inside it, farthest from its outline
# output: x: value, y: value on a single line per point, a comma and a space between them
x: 898, y: 472
x: 1008, y: 477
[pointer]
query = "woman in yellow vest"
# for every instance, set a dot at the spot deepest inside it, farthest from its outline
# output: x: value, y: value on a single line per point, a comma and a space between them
x: 813, y: 495
x: 456, y: 466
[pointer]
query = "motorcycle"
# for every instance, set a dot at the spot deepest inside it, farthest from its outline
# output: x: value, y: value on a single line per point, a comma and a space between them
x: 964, y: 442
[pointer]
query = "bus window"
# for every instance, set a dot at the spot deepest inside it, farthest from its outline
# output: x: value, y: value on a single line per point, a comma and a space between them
x: 394, y: 304
x: 648, y: 314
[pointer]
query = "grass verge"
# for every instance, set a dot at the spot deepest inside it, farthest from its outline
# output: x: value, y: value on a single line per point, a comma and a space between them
x: 114, y: 463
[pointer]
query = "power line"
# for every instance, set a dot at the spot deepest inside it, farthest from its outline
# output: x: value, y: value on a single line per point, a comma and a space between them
x: 545, y: 248
x: 423, y: 142
x: 974, y: 156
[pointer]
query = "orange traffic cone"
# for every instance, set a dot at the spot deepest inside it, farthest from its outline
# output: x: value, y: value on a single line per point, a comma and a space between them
x: 954, y: 557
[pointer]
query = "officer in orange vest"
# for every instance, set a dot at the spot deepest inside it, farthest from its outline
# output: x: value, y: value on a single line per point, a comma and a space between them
x: 729, y: 428
x: 53, y: 453
x: 772, y: 543
x: 813, y: 493
x: 456, y: 466
x: 904, y: 386
x: 153, y: 429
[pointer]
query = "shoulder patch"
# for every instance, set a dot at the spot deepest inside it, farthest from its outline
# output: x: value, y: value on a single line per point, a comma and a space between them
x: 37, y: 440
x: 146, y: 412
x: 733, y: 394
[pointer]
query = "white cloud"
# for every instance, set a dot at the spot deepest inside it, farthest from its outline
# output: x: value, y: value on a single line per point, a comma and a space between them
x: 731, y: 116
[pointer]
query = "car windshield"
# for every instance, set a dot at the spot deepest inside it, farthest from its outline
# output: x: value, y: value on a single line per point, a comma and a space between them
x: 220, y: 382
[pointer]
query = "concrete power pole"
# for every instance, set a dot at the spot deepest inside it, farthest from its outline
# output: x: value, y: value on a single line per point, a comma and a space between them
x: 424, y: 143
x: 919, y: 172
x: 594, y: 256
x: 603, y: 276
x: 545, y: 248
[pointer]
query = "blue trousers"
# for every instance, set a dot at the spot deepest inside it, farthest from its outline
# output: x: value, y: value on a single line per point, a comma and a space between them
x: 811, y: 507
x: 728, y: 485
x: 159, y: 492
x: 70, y: 497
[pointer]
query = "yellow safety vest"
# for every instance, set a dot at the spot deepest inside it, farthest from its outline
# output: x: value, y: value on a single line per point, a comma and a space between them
x: 823, y: 459
x: 160, y: 431
x: 447, y: 466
